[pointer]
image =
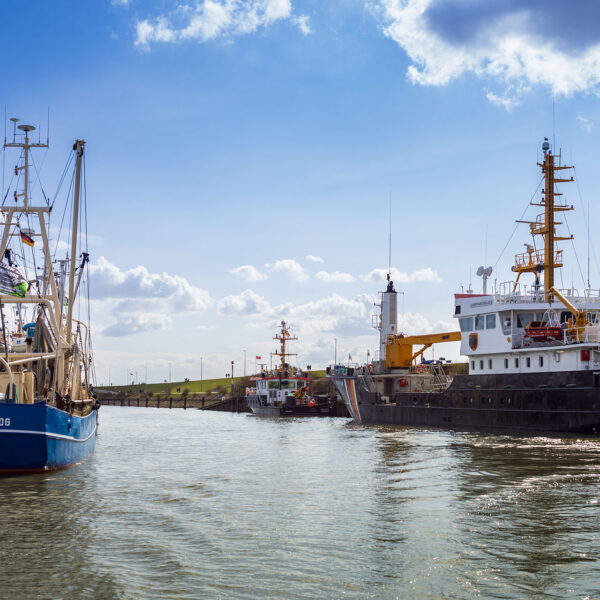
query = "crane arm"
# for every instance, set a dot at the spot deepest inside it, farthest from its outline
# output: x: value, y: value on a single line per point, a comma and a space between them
x: 576, y: 313
x: 428, y: 338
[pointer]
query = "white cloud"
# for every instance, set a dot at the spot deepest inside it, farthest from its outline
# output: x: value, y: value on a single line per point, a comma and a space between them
x: 303, y: 24
x: 248, y: 272
x: 137, y: 323
x: 108, y: 281
x: 586, y: 124
x: 290, y: 267
x: 137, y: 300
x: 380, y: 276
x: 516, y: 44
x: 335, y: 277
x: 210, y: 19
x: 246, y: 303
x: 313, y: 258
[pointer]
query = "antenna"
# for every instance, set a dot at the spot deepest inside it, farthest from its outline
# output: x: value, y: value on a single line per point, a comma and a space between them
x: 390, y: 241
x: 484, y: 273
x: 553, y: 122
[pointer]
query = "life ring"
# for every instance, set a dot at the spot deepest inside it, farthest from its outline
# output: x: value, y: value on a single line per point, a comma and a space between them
x: 421, y: 368
x: 370, y: 368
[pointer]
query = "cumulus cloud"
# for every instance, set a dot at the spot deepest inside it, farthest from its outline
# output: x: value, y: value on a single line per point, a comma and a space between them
x: 141, y: 301
x: 290, y: 267
x: 109, y: 281
x: 132, y: 323
x: 246, y: 303
x: 248, y: 272
x: 335, y: 277
x: 315, y: 259
x: 205, y: 20
x: 517, y: 44
x: 380, y: 276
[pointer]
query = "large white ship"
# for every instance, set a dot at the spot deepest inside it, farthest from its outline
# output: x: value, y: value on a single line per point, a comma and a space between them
x: 533, y: 350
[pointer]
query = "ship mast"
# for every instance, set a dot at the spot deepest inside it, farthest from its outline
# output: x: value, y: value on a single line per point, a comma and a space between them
x: 537, y: 261
x: 283, y: 337
x: 78, y: 147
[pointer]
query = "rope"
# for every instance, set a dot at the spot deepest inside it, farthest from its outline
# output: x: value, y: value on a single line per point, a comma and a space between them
x: 586, y: 216
x: 517, y: 224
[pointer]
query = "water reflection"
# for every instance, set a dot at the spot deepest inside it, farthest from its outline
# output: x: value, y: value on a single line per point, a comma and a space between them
x: 180, y: 505
x: 47, y: 543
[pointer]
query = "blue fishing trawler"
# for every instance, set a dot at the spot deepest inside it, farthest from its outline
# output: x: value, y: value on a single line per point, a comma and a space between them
x: 48, y: 412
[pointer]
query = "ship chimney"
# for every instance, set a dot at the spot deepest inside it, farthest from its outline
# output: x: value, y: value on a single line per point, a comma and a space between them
x: 389, y: 316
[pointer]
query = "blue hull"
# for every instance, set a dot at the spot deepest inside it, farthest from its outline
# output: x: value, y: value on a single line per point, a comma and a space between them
x: 39, y: 437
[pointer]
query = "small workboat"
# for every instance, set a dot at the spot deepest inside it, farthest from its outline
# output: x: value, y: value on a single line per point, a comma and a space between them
x: 285, y: 390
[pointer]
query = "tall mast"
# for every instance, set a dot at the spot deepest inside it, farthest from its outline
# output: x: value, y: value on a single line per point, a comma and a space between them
x: 535, y: 261
x: 78, y: 147
x: 282, y: 338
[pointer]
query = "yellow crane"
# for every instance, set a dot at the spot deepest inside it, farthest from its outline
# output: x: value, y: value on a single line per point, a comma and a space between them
x: 576, y: 325
x: 399, y: 348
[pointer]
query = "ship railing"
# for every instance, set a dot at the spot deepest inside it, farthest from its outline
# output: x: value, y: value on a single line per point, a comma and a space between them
x: 589, y: 334
x: 533, y: 296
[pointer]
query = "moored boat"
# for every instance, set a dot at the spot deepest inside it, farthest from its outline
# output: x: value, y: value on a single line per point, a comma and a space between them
x: 285, y: 390
x: 48, y: 412
x: 533, y: 352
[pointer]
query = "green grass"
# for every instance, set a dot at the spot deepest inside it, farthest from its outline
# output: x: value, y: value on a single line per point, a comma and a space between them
x: 195, y: 387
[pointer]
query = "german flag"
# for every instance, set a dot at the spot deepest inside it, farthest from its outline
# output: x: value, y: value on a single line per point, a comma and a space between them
x: 26, y: 239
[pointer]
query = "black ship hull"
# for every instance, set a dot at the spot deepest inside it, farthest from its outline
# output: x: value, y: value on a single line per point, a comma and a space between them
x: 562, y: 402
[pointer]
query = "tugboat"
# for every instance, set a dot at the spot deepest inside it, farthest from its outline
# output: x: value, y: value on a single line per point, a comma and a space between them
x: 533, y: 352
x: 284, y: 391
x: 48, y: 412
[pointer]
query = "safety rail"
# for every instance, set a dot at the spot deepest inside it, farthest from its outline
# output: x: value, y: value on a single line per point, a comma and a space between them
x: 590, y: 334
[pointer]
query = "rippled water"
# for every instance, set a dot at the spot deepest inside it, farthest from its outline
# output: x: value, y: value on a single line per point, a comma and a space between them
x: 195, y: 504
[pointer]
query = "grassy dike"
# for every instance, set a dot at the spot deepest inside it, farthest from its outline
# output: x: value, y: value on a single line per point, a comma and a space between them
x: 196, y: 387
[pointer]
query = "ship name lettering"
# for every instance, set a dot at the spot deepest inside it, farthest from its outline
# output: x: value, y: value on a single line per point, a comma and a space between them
x: 5, y: 422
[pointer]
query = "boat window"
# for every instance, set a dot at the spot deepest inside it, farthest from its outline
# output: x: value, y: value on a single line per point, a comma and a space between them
x: 506, y: 363
x: 528, y: 362
x: 523, y: 319
x: 466, y: 324
x: 481, y: 365
x: 516, y: 363
x: 273, y: 385
x: 541, y: 361
x: 490, y: 321
x: 489, y: 363
x: 592, y: 317
x: 479, y: 322
x: 473, y: 365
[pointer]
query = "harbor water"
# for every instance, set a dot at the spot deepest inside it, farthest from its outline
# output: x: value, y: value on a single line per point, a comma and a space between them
x: 191, y: 504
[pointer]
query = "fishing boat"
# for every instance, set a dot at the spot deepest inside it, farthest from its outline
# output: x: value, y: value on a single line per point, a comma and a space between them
x: 48, y: 412
x: 285, y: 390
x: 533, y: 350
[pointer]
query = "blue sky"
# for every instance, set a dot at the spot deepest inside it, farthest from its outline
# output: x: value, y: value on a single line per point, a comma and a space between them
x: 225, y: 134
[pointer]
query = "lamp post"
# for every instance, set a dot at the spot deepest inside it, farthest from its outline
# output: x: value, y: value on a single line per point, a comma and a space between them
x: 200, y: 373
x: 232, y: 378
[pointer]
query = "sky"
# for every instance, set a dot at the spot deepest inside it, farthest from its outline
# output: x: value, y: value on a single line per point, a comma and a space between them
x: 241, y: 157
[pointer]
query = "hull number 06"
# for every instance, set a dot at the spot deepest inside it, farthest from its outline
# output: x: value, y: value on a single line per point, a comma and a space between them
x: 4, y: 421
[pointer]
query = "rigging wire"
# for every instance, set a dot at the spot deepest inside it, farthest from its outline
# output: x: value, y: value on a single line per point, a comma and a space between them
x: 67, y: 204
x: 586, y: 215
x: 62, y: 177
x: 517, y: 223
x: 38, y: 178
x: 574, y: 250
